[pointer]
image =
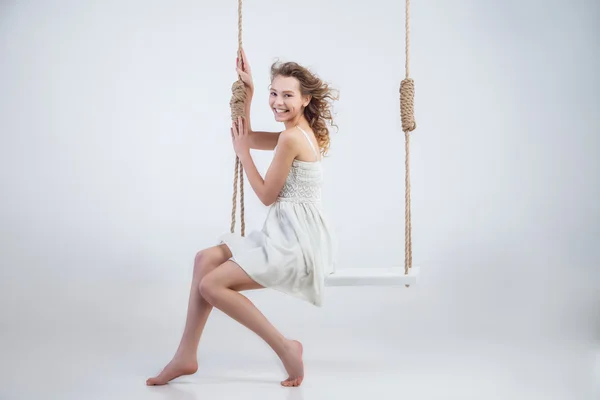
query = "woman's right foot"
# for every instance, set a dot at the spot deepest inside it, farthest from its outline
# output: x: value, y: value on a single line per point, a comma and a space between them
x: 292, y: 361
x: 178, y: 366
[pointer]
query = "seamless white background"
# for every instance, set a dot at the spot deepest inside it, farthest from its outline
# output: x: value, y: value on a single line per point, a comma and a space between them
x: 116, y: 167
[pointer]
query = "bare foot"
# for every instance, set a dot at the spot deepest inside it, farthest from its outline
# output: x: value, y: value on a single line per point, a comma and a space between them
x: 292, y: 361
x: 177, y: 367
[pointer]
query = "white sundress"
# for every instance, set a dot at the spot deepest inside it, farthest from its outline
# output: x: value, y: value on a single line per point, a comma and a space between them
x: 295, y: 247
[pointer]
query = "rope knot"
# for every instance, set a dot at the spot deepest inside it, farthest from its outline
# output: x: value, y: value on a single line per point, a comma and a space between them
x: 407, y: 97
x: 237, y: 104
x: 238, y: 100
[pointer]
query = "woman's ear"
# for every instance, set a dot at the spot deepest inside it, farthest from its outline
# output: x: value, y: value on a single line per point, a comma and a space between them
x: 307, y: 101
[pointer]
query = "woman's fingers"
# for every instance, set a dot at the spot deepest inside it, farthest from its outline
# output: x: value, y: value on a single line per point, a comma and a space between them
x: 240, y: 125
x: 245, y: 65
x: 245, y: 77
x: 245, y: 60
x: 237, y: 128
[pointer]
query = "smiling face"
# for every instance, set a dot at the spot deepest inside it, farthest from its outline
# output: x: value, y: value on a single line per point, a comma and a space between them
x: 286, y: 100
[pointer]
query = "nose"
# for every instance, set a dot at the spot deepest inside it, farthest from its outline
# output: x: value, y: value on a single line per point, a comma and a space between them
x: 277, y: 101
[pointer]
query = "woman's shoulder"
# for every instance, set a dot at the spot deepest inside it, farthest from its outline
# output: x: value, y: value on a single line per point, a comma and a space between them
x: 294, y: 133
x: 288, y: 137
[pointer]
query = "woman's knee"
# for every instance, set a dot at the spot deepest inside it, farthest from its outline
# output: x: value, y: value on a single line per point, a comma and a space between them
x: 208, y: 259
x: 201, y: 262
x: 207, y: 288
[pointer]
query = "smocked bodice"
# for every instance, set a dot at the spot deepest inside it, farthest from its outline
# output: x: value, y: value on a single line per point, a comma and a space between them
x: 303, y: 184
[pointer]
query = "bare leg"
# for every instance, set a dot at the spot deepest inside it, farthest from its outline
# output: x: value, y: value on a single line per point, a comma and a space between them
x: 219, y: 289
x: 185, y: 360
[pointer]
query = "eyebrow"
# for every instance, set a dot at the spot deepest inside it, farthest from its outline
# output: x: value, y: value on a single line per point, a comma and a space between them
x: 283, y: 91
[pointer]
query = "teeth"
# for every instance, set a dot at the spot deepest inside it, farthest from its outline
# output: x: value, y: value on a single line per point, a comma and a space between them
x: 280, y: 111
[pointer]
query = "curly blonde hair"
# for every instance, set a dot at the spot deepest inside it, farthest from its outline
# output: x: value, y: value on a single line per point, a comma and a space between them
x: 318, y: 111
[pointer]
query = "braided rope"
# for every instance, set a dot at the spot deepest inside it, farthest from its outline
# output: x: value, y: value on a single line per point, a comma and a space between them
x: 407, y: 93
x: 237, y: 104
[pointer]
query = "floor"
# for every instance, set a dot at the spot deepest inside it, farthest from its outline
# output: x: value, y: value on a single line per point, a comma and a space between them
x: 101, y: 341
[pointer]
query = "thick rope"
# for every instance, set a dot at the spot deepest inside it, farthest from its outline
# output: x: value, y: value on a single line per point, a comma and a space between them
x: 407, y: 93
x: 237, y: 104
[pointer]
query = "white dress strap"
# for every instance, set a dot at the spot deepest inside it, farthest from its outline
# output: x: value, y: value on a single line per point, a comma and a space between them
x: 312, y: 146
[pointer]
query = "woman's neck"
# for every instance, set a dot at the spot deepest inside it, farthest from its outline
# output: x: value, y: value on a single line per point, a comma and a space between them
x: 299, y: 121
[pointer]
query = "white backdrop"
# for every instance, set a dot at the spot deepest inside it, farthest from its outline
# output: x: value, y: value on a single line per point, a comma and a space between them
x: 116, y: 164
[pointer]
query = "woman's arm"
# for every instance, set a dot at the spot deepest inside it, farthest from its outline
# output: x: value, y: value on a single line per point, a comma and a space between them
x: 263, y: 140
x: 268, y: 189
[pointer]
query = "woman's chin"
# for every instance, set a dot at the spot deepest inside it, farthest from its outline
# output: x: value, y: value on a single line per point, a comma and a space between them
x: 281, y: 118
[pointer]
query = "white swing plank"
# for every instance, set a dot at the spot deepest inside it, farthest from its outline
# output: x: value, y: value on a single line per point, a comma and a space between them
x: 372, y: 277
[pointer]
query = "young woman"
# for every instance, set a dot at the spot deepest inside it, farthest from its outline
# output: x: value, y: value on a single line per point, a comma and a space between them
x: 294, y: 249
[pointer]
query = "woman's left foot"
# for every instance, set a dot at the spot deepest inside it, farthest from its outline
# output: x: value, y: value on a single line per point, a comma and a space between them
x: 292, y: 361
x: 178, y: 366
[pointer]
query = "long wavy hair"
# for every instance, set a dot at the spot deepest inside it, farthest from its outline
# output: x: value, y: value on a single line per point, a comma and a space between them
x: 318, y: 111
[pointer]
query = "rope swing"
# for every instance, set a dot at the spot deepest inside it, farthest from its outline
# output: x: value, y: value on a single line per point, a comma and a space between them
x: 237, y: 104
x: 407, y: 94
